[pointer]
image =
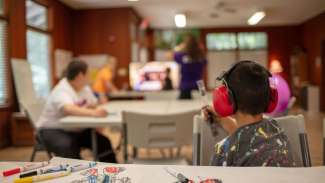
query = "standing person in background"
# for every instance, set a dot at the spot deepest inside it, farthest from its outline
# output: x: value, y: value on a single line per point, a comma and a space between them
x: 167, y: 84
x: 103, y: 83
x: 192, y: 61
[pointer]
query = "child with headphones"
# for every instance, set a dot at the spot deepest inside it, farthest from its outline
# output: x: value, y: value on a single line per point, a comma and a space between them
x: 245, y: 94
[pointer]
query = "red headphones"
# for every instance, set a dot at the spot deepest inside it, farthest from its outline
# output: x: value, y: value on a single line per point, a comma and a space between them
x: 224, y: 100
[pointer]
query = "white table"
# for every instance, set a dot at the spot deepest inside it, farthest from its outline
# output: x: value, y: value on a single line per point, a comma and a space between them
x: 115, y: 109
x: 157, y: 173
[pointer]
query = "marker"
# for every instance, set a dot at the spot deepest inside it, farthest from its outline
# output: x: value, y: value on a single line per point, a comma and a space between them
x: 204, y: 97
x: 45, y: 171
x: 179, y: 176
x: 106, y: 179
x: 112, y: 113
x: 203, y: 92
x: 79, y: 167
x: 43, y: 177
x: 25, y: 168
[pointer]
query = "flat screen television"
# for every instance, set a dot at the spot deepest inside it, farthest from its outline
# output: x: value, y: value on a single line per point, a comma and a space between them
x: 150, y: 76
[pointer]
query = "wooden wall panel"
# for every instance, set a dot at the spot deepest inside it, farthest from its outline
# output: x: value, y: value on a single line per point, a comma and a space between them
x: 150, y: 43
x: 17, y: 48
x: 61, y: 30
x: 4, y: 127
x: 17, y: 28
x: 313, y: 35
x: 62, y: 26
x: 104, y: 31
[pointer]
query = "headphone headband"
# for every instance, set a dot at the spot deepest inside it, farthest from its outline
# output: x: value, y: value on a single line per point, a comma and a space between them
x: 225, y: 74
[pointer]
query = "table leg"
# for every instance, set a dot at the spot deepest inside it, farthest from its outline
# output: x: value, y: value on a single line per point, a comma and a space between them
x: 94, y: 144
x: 125, y: 149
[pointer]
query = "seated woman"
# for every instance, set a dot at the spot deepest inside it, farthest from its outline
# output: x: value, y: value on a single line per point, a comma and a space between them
x: 252, y: 140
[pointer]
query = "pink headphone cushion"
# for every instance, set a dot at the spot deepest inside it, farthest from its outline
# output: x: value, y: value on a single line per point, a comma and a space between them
x: 221, y: 102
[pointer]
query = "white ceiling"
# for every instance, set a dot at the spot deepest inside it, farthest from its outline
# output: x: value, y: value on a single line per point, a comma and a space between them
x: 160, y: 13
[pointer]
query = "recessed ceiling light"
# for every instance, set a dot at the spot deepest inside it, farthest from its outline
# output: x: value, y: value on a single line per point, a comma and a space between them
x: 180, y: 20
x: 256, y: 17
x: 133, y: 0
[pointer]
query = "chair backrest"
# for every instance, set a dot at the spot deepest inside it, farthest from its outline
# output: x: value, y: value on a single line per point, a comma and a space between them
x: 34, y: 111
x: 204, y: 141
x: 159, y: 131
x: 294, y: 128
x: 23, y: 82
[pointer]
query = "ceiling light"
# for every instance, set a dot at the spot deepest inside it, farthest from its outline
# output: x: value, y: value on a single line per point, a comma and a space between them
x: 133, y: 0
x: 256, y: 17
x: 180, y: 20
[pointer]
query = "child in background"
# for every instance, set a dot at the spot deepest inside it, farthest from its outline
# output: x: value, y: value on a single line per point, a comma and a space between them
x: 167, y: 84
x: 253, y: 140
x: 104, y: 81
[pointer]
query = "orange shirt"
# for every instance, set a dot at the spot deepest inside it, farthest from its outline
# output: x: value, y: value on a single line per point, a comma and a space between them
x: 102, y: 78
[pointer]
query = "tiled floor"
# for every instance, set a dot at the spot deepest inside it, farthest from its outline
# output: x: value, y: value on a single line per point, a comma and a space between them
x: 313, y: 124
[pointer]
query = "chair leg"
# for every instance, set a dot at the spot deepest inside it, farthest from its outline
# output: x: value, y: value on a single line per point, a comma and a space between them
x: 178, y: 151
x: 305, y: 150
x: 135, y: 152
x: 33, y: 154
x: 162, y: 152
x: 49, y: 154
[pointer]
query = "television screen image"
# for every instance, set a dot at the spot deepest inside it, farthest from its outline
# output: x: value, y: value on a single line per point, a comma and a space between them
x: 150, y: 76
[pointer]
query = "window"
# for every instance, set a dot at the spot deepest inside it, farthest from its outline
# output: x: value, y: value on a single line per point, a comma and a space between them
x: 4, y: 94
x: 169, y: 38
x: 3, y: 64
x: 38, y: 47
x: 252, y: 40
x: 38, y: 57
x: 36, y: 15
x: 226, y: 48
x: 221, y: 41
x: 241, y: 40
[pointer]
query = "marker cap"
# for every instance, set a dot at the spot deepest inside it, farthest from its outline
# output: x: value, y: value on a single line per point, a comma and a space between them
x: 11, y: 172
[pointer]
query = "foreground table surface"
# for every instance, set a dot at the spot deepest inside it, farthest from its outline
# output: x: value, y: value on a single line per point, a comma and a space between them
x: 157, y: 173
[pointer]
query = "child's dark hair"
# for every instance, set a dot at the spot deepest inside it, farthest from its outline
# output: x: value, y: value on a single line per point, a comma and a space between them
x: 249, y: 83
x: 74, y: 68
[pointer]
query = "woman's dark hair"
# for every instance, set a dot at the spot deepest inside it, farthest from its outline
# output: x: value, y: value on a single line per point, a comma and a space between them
x: 249, y: 83
x: 74, y: 68
x: 192, y: 49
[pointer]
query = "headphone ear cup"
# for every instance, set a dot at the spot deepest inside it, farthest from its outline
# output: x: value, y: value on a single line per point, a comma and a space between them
x: 221, y: 102
x: 273, y: 100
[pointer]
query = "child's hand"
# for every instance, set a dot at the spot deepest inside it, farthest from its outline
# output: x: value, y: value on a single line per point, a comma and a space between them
x: 209, y: 114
